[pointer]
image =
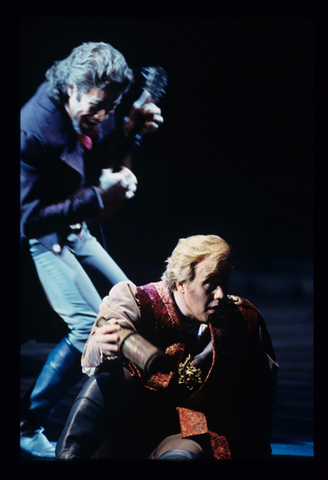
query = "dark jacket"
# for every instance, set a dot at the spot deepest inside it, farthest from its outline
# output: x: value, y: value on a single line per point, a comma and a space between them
x: 58, y: 178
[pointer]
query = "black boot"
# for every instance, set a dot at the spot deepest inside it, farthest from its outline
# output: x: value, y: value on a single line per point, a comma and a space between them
x: 61, y: 371
x: 178, y: 454
x: 95, y: 414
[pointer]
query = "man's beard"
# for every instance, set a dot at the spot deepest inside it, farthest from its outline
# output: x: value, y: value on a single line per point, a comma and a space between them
x: 76, y: 126
x: 82, y: 127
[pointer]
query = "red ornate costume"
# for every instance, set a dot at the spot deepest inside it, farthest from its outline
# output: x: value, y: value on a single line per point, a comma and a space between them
x: 225, y: 388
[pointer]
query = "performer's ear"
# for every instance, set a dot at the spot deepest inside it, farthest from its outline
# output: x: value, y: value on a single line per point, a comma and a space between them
x: 180, y: 286
x: 71, y: 89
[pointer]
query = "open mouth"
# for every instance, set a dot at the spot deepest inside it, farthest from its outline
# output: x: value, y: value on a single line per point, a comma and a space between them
x: 87, y: 126
x: 89, y: 123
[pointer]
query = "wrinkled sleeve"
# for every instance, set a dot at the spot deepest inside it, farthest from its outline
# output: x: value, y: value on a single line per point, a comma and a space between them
x: 42, y: 211
x: 123, y: 305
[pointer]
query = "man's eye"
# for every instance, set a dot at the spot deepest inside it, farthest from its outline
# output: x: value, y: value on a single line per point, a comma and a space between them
x: 94, y: 108
x: 98, y: 105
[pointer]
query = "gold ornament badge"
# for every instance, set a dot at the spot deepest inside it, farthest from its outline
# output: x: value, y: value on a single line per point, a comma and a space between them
x: 234, y: 299
x: 189, y: 375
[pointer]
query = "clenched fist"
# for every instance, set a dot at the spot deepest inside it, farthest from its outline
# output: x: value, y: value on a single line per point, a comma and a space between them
x: 144, y: 113
x: 117, y: 185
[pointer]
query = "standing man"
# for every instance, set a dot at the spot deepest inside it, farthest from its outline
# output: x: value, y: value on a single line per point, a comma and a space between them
x: 214, y: 395
x: 71, y: 174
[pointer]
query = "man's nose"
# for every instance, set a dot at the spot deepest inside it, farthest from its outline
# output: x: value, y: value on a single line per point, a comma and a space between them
x: 218, y: 293
x: 101, y: 115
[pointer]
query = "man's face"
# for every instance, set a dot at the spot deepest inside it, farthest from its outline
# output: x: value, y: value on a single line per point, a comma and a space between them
x: 86, y: 110
x: 204, y: 295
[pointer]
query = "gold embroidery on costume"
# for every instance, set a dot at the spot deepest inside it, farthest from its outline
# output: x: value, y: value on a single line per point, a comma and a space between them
x: 195, y: 423
x: 235, y: 299
x: 188, y: 374
x: 192, y: 422
x: 165, y: 294
x: 160, y: 380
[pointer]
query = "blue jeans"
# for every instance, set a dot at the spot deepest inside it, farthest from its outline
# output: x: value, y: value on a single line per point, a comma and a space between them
x: 69, y: 280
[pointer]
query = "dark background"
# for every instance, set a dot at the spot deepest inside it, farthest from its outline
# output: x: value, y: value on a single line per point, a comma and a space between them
x: 235, y: 154
x: 234, y: 157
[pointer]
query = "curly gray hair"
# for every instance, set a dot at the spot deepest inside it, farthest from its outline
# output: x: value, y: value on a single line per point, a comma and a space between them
x: 92, y: 64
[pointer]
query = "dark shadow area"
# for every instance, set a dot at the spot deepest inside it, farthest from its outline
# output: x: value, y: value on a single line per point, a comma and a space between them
x: 234, y: 158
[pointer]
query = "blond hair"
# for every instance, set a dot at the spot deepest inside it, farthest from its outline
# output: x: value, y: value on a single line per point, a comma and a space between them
x: 189, y: 252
